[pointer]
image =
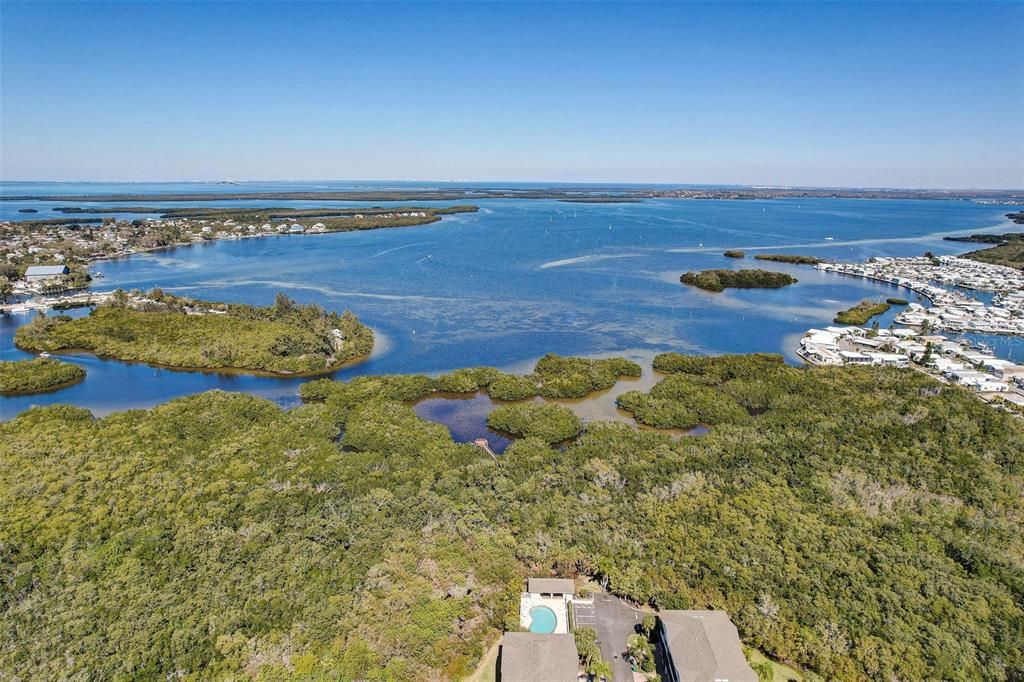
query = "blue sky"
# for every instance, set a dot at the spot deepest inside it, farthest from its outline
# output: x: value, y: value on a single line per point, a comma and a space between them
x: 871, y: 94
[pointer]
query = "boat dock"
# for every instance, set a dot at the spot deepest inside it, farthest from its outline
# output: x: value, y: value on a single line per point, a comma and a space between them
x: 79, y: 300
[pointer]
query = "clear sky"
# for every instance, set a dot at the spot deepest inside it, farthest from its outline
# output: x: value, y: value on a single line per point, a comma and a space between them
x: 871, y: 94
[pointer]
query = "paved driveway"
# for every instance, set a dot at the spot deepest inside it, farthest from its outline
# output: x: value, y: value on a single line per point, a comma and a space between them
x: 614, y: 620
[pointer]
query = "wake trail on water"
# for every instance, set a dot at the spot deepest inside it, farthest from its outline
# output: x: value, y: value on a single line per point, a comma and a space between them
x: 332, y: 293
x: 592, y: 258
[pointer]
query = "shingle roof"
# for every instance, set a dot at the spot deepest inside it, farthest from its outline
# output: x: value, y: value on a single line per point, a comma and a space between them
x: 551, y: 586
x: 705, y: 647
x: 532, y: 657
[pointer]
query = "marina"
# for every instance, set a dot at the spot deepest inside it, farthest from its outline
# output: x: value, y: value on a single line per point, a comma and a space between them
x: 936, y: 279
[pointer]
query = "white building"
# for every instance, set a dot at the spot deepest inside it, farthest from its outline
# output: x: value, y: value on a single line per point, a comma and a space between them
x: 41, y: 273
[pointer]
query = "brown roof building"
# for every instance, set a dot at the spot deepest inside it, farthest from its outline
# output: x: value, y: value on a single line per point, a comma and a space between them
x: 531, y: 657
x: 551, y: 586
x: 703, y: 646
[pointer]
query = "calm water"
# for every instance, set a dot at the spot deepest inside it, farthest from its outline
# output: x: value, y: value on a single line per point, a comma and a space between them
x: 465, y: 416
x: 522, y: 278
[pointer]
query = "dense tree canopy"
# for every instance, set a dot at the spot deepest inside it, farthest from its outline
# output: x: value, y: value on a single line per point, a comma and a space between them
x: 720, y: 280
x: 553, y: 376
x: 551, y: 423
x: 38, y: 374
x: 865, y: 523
x: 179, y: 332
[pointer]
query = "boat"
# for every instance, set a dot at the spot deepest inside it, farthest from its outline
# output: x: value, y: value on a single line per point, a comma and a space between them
x: 828, y: 239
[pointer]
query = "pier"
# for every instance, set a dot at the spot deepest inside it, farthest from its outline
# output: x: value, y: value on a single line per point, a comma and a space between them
x: 486, y: 447
x: 79, y: 300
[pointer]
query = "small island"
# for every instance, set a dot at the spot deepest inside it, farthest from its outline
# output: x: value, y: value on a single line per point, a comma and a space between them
x: 893, y: 300
x: 37, y: 375
x: 734, y: 253
x: 549, y: 422
x: 184, y: 333
x: 720, y: 280
x: 789, y: 258
x: 861, y: 313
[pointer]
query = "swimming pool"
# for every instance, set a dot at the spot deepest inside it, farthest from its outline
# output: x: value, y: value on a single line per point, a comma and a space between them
x: 542, y: 620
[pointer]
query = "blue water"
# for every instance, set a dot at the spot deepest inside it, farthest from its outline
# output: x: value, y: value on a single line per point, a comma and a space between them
x: 542, y: 620
x: 522, y: 278
x: 465, y: 416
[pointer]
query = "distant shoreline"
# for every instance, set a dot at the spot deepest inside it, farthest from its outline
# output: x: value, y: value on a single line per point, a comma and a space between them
x: 576, y: 194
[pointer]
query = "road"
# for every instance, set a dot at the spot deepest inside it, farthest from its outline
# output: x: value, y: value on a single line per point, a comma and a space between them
x: 614, y: 621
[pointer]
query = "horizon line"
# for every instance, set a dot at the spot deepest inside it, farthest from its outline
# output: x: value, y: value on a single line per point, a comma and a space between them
x: 766, y: 186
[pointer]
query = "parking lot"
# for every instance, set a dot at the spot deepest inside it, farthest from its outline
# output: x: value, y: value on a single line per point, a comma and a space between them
x: 614, y: 621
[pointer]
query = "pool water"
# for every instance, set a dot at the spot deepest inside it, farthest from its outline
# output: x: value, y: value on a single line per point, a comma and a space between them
x: 542, y: 620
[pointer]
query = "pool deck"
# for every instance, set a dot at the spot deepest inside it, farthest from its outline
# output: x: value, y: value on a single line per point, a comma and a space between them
x: 558, y: 605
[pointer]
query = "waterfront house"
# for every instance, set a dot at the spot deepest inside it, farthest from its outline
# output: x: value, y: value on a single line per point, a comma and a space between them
x: 41, y: 273
x: 530, y: 657
x: 853, y: 358
x: 889, y: 359
x: 702, y: 646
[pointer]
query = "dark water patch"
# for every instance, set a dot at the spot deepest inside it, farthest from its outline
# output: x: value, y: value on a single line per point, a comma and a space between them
x: 465, y: 415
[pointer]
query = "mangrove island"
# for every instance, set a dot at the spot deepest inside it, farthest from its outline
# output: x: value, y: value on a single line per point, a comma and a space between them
x: 861, y: 313
x: 37, y: 375
x: 720, y: 280
x: 177, y: 332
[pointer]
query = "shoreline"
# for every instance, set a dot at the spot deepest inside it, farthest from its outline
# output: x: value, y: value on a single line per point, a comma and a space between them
x: 36, y: 391
x: 597, y: 194
x: 227, y: 371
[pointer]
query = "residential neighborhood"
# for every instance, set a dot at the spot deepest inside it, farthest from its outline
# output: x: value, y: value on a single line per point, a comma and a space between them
x: 931, y: 278
x: 972, y: 366
x: 576, y: 634
x: 75, y: 243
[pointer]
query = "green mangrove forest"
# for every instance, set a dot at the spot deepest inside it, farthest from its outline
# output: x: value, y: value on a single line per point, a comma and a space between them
x: 37, y: 374
x: 861, y: 313
x: 720, y: 280
x: 789, y: 258
x: 862, y: 523
x: 548, y: 422
x: 554, y: 376
x: 1007, y: 249
x: 159, y: 328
